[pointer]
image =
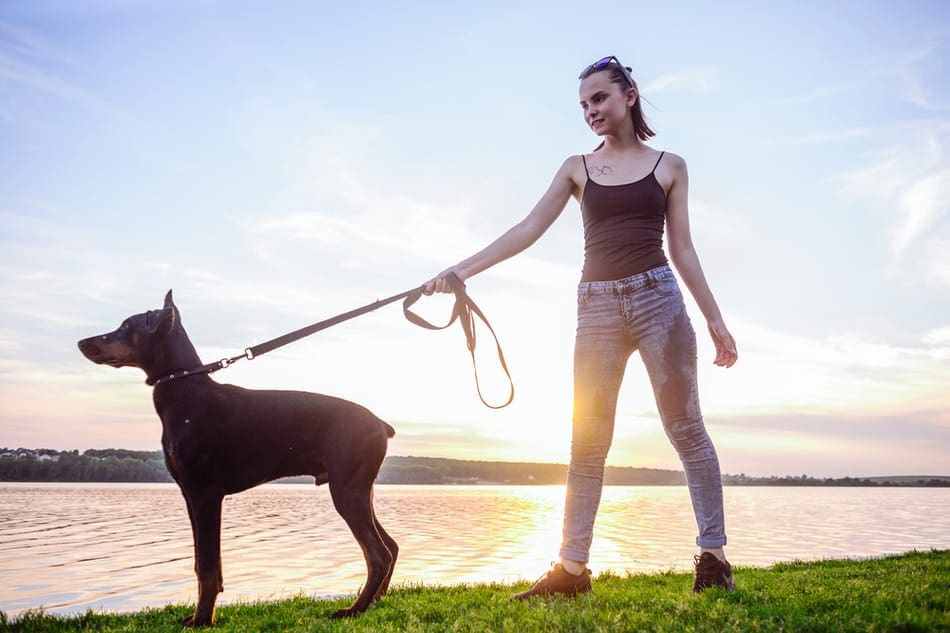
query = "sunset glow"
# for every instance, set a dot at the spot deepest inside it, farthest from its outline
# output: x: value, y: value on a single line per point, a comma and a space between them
x: 278, y: 167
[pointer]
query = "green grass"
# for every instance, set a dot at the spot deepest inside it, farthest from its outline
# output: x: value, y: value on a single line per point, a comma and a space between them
x: 910, y: 592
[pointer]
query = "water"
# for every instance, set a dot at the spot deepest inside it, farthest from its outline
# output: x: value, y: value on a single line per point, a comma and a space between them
x: 122, y: 547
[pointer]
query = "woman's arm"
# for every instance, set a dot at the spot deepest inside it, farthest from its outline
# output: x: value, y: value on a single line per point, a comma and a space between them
x: 686, y: 261
x: 521, y: 235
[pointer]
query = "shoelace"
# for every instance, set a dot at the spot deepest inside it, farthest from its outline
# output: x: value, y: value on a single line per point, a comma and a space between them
x: 554, y: 566
x: 707, y: 569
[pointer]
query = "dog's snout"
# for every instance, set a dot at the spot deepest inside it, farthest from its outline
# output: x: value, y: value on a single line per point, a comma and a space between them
x: 86, y: 345
x: 102, y: 350
x: 90, y: 348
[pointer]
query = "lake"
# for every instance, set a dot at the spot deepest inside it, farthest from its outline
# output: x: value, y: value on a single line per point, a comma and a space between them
x: 123, y: 547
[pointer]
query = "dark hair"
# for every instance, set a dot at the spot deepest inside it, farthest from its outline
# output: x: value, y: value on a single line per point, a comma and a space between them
x: 640, y: 125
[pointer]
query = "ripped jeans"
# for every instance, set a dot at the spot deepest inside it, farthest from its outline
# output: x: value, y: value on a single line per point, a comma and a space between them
x: 643, y: 312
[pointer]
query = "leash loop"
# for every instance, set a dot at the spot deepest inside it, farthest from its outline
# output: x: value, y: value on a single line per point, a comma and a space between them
x: 464, y: 311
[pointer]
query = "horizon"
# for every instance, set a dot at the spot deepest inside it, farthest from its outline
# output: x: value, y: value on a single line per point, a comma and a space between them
x: 276, y: 166
x: 527, y: 463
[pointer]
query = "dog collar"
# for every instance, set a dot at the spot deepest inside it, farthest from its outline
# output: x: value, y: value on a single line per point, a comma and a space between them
x: 210, y: 368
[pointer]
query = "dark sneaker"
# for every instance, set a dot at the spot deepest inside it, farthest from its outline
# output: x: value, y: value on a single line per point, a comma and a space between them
x: 558, y: 581
x: 712, y: 572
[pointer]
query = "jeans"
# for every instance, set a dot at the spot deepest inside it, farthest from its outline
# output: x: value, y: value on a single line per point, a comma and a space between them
x: 643, y: 312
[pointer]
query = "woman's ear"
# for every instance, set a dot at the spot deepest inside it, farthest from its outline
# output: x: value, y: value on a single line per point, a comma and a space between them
x: 632, y: 96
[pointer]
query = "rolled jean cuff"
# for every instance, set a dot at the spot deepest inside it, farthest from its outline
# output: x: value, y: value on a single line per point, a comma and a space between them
x: 711, y: 541
x: 575, y: 555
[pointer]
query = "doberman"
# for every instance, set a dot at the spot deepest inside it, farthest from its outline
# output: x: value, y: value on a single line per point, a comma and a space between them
x: 221, y: 439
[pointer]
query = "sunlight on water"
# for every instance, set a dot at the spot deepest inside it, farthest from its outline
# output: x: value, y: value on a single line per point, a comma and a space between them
x: 69, y: 547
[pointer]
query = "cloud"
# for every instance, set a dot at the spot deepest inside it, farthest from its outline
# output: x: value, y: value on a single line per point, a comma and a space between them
x: 820, y: 92
x: 909, y: 69
x: 839, y: 373
x: 923, y: 204
x: 907, y: 73
x: 836, y: 444
x: 17, y: 71
x: 26, y: 43
x: 836, y: 136
x: 698, y: 80
x: 914, y: 92
x: 32, y: 62
x: 344, y: 219
x: 909, y: 182
x: 938, y: 337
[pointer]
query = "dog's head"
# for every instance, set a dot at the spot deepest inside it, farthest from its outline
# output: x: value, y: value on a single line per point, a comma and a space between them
x: 134, y: 340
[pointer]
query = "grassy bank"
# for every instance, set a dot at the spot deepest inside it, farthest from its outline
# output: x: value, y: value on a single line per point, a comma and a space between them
x: 910, y: 592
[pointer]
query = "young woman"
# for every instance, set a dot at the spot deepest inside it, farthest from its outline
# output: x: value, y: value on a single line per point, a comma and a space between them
x: 628, y: 300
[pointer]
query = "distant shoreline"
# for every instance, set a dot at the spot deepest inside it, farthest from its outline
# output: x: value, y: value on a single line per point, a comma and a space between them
x: 128, y: 466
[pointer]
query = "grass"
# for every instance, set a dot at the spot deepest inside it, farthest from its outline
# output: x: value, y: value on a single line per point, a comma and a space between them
x: 909, y: 592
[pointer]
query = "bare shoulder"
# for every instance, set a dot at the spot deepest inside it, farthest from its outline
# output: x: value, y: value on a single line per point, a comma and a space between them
x: 673, y: 162
x: 671, y: 171
x: 573, y: 169
x: 573, y: 164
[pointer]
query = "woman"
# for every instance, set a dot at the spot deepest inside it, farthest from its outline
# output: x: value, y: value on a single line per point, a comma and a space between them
x: 628, y: 300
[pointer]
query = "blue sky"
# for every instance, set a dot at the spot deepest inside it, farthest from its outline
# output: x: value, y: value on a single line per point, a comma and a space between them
x: 278, y: 163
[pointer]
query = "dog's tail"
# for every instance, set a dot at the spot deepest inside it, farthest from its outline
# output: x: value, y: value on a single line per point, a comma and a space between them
x: 390, y: 431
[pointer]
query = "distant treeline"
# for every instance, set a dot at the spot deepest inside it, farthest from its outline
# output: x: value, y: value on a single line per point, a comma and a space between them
x: 805, y: 480
x: 120, y: 465
x: 434, y: 470
x: 110, y: 465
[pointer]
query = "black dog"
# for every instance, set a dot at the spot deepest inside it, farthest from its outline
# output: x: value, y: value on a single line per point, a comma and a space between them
x: 221, y: 439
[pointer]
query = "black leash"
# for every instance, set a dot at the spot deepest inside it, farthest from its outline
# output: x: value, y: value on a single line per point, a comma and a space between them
x: 465, y: 310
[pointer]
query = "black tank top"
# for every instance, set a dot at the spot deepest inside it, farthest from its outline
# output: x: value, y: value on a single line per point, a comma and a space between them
x: 623, y: 227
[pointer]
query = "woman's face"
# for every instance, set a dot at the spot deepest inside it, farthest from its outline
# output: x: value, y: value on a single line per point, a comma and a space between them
x: 605, y: 104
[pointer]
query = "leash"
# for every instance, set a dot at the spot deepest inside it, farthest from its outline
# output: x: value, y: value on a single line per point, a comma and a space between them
x: 465, y: 310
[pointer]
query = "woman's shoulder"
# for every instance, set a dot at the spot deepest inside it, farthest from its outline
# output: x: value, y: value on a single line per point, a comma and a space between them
x: 670, y: 168
x: 670, y: 171
x: 574, y: 159
x: 671, y: 159
x: 574, y: 168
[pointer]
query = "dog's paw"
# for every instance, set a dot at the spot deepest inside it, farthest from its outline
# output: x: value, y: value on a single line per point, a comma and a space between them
x: 348, y: 612
x: 192, y: 622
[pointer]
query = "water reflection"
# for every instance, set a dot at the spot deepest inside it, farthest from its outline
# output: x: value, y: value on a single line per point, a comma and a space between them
x: 69, y: 547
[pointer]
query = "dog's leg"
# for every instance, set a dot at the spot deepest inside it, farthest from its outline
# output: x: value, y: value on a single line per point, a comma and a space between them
x: 353, y: 503
x: 393, y: 549
x: 205, y: 513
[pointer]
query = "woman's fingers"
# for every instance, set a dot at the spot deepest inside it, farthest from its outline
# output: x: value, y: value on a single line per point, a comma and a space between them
x: 726, y: 353
x: 437, y: 284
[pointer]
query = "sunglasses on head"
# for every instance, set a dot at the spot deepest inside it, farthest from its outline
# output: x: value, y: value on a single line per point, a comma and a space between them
x: 603, y: 63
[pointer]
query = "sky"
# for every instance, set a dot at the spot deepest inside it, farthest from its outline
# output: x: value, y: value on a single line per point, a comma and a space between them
x: 276, y: 164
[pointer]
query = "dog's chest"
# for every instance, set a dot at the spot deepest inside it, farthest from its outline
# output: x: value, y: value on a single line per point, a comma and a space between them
x: 186, y: 443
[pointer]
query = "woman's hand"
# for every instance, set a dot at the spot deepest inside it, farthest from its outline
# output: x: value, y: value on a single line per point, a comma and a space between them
x: 726, y: 354
x: 439, y: 283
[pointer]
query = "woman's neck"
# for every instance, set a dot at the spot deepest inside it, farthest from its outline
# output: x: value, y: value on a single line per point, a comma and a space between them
x: 623, y: 143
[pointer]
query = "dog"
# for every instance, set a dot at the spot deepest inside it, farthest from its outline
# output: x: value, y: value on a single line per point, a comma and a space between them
x: 220, y: 439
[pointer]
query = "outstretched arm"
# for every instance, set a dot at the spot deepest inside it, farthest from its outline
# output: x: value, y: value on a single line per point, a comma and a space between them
x: 521, y: 235
x: 686, y: 261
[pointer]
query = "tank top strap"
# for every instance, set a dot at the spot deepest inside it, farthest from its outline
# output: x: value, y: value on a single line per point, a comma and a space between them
x: 586, y: 170
x: 657, y: 162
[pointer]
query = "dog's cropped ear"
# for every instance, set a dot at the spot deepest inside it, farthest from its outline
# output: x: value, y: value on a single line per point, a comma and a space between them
x: 165, y: 321
x: 166, y: 317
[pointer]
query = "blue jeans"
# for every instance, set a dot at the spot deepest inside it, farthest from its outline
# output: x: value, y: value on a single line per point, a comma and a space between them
x: 644, y: 312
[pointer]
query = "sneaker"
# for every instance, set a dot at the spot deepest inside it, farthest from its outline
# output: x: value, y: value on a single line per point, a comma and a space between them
x: 558, y: 581
x: 712, y: 572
